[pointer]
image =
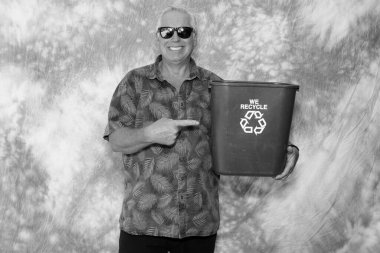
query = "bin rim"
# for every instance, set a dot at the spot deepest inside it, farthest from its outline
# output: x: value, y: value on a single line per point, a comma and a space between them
x: 255, y: 84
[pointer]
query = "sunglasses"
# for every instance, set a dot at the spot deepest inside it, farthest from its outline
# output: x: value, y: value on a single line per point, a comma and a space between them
x: 183, y: 32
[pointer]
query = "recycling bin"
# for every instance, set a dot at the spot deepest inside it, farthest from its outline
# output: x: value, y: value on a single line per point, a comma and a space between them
x: 250, y: 126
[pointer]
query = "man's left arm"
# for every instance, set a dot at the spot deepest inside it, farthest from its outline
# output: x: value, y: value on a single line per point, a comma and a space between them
x: 291, y: 161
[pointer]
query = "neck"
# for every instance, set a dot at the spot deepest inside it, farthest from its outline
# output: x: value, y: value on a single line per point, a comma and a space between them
x: 181, y: 69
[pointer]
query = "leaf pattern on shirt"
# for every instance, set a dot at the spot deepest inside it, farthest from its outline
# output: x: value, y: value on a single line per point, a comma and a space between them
x: 139, y: 119
x: 203, y: 180
x: 164, y: 95
x: 146, y: 202
x: 194, y: 113
x: 206, y: 117
x: 127, y: 190
x: 154, y: 85
x: 203, y: 104
x: 194, y: 96
x: 171, y: 213
x: 138, y: 220
x: 166, y: 163
x: 113, y: 125
x: 127, y: 175
x: 138, y: 82
x: 136, y: 170
x: 169, y: 231
x: 164, y: 200
x: 120, y: 90
x: 113, y: 113
x: 182, y: 147
x: 201, y: 147
x: 214, y: 212
x: 199, y: 86
x: 126, y: 120
x: 160, y: 183
x: 129, y: 89
x: 159, y: 111
x: 207, y: 161
x: 126, y: 223
x: 197, y: 199
x: 175, y: 105
x: 205, y: 96
x: 194, y: 163
x: 131, y: 204
x: 153, y: 231
x: 127, y: 104
x: 138, y: 189
x: 127, y: 161
x: 190, y: 185
x: 200, y: 219
x: 156, y: 149
x: 180, y: 173
x: 157, y: 217
x: 181, y: 114
x: 208, y: 228
x: 146, y: 98
x: 192, y: 231
x: 141, y: 158
x: 148, y: 168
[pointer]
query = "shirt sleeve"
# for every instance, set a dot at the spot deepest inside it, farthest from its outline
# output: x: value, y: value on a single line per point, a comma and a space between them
x: 213, y: 77
x: 122, y: 111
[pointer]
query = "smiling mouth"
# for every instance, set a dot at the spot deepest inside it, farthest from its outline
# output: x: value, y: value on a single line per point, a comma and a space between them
x: 175, y: 48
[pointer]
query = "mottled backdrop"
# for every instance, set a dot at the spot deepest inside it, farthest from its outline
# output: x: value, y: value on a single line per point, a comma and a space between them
x: 60, y: 61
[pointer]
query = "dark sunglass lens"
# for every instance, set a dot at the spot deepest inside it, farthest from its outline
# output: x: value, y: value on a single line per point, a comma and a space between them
x: 184, y: 32
x: 166, y: 32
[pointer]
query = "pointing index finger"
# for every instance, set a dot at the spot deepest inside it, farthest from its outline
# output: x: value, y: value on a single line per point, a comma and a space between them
x: 186, y: 122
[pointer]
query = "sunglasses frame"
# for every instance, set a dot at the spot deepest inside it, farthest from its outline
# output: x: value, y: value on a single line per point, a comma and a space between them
x: 175, y: 29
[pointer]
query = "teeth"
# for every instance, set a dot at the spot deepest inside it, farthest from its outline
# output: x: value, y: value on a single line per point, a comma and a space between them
x: 175, y: 48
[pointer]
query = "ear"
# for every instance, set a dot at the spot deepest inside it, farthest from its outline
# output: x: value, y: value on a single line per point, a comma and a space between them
x: 195, y: 39
x: 156, y: 44
x: 157, y: 36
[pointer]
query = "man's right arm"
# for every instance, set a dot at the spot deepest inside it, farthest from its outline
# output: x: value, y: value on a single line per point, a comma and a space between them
x: 128, y: 140
x: 164, y: 131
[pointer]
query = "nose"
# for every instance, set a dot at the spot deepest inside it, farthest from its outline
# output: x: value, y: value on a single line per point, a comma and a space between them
x: 175, y: 36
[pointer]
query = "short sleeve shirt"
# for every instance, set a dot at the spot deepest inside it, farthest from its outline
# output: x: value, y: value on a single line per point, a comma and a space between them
x: 170, y: 191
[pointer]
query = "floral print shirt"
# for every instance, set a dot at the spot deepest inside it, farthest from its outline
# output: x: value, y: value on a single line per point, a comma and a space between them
x: 170, y: 191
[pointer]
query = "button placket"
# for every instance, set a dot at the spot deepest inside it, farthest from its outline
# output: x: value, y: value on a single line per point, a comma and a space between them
x: 182, y: 197
x: 181, y: 107
x: 182, y: 213
x: 181, y: 175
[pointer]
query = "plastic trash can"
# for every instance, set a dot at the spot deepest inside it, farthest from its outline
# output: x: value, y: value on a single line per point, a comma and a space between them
x: 250, y: 126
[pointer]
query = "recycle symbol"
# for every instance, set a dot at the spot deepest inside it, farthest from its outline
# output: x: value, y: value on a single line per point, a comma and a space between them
x: 244, y: 122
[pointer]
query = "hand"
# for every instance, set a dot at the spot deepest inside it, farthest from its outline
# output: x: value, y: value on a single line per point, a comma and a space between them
x: 291, y: 160
x: 165, y: 131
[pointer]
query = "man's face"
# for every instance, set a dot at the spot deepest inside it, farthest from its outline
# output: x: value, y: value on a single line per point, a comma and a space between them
x: 175, y: 49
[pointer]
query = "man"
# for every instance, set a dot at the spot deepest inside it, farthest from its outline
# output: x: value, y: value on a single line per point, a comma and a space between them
x: 159, y: 119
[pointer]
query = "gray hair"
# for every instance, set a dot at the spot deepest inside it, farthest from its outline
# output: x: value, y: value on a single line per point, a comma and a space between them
x: 193, y: 20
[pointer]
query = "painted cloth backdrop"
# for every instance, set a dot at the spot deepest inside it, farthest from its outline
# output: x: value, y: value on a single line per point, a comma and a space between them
x: 61, y: 186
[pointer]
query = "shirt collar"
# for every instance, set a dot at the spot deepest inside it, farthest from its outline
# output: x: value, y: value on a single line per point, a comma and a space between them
x: 154, y: 71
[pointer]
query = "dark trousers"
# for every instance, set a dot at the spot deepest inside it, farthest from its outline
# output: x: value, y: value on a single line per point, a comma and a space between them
x: 155, y: 244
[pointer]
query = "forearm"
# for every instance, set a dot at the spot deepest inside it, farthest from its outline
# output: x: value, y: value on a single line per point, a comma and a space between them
x: 164, y: 131
x: 128, y: 140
